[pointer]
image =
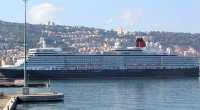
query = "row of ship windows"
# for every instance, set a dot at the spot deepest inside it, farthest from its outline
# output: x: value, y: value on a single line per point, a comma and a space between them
x: 82, y: 57
x: 87, y: 65
x: 107, y: 59
x: 141, y: 63
x: 110, y: 68
x: 113, y: 61
x: 125, y: 57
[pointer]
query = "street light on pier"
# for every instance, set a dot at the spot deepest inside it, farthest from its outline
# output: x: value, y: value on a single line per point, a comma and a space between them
x: 25, y: 89
x: 47, y: 96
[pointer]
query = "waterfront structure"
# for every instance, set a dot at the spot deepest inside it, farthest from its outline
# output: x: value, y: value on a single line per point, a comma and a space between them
x: 139, y: 61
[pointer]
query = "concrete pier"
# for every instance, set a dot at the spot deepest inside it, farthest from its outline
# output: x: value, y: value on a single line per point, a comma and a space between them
x: 3, y: 102
x: 9, y: 102
x: 16, y: 84
x: 42, y: 97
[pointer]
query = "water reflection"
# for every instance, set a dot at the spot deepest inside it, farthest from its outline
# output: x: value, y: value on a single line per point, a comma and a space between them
x: 125, y: 94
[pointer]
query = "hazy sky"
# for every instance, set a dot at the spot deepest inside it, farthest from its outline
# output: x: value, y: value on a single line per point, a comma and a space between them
x: 133, y: 15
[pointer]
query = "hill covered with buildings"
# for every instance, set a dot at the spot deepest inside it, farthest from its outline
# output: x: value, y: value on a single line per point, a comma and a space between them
x: 80, y: 39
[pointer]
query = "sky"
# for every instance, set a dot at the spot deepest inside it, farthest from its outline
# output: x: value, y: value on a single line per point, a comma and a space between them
x: 132, y: 15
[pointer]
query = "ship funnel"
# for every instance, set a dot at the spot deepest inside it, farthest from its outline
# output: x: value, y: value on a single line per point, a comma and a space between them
x: 140, y: 43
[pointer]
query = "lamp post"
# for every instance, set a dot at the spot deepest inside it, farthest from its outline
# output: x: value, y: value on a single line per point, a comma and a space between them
x: 25, y: 89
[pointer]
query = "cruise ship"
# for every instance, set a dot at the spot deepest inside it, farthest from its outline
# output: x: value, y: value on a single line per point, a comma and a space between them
x: 140, y: 61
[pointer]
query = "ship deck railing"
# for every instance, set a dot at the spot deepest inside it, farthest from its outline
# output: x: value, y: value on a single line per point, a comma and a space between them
x: 117, y: 67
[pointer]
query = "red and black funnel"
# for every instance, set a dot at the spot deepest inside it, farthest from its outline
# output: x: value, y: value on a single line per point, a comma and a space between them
x: 140, y: 43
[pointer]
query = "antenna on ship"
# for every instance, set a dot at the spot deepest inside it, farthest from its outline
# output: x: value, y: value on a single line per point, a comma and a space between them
x: 25, y: 89
x: 42, y: 42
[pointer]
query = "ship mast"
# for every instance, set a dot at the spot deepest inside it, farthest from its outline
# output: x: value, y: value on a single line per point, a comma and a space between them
x: 25, y: 89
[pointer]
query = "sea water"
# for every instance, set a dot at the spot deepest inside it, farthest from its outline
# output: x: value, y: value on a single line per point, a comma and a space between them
x: 121, y: 94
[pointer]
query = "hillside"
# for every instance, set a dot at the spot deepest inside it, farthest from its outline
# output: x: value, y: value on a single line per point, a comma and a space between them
x: 90, y: 40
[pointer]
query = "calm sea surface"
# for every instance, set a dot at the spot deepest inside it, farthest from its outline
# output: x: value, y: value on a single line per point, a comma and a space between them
x: 122, y: 94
